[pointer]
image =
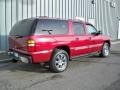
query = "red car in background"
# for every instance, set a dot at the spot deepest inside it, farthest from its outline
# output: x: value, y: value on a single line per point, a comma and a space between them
x: 55, y: 41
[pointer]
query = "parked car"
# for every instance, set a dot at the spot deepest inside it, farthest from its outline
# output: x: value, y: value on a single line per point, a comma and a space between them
x: 55, y: 41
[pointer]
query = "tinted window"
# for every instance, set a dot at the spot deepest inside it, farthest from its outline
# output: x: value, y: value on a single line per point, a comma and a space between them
x: 53, y: 27
x: 91, y: 29
x: 22, y: 28
x: 78, y: 28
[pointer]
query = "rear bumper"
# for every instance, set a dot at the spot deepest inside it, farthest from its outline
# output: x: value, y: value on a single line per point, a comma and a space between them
x: 31, y: 57
x: 20, y: 57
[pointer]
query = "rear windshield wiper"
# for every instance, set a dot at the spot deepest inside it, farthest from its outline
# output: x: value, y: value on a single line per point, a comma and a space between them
x: 49, y: 31
x: 18, y: 36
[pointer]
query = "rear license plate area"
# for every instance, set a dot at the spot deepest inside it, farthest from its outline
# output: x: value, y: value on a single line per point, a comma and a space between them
x: 24, y: 60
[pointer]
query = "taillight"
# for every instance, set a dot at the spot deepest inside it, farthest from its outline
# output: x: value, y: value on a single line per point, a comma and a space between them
x: 31, y: 45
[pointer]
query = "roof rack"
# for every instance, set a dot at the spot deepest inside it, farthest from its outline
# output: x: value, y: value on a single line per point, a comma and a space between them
x: 47, y: 17
x: 42, y: 16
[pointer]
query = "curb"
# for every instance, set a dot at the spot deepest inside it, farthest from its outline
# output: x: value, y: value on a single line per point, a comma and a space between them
x: 5, y: 60
x: 116, y: 42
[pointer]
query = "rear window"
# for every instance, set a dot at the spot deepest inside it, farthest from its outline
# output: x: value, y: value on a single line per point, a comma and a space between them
x: 51, y: 27
x: 22, y: 28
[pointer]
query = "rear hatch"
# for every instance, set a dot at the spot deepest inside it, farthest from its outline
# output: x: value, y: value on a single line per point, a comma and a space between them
x: 20, y: 33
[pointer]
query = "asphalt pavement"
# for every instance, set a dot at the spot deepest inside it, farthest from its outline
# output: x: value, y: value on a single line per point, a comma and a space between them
x: 84, y: 73
x: 4, y: 57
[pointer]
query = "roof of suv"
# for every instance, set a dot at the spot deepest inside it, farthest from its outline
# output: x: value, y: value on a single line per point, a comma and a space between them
x: 75, y: 20
x: 60, y: 19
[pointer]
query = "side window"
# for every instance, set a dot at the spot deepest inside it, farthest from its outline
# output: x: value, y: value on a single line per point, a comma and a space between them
x: 91, y: 29
x: 78, y: 28
x: 53, y: 27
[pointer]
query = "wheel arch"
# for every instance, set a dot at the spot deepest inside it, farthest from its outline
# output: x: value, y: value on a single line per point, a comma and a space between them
x: 108, y: 41
x: 63, y: 47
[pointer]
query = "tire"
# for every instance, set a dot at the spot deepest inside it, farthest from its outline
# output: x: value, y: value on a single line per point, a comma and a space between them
x: 59, y: 61
x: 105, y: 52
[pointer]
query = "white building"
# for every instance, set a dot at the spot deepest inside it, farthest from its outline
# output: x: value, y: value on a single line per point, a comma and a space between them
x: 103, y: 13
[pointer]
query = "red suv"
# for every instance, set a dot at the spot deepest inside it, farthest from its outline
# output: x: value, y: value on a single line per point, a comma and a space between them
x: 55, y: 41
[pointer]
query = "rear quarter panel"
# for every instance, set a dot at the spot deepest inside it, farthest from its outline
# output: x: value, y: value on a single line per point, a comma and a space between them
x: 47, y: 44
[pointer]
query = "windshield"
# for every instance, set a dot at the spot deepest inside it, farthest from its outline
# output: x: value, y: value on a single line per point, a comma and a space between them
x: 22, y: 28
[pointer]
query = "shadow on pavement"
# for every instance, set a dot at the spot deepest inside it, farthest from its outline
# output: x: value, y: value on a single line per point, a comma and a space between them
x: 37, y: 68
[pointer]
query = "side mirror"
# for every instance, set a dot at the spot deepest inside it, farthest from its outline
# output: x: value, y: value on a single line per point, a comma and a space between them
x: 98, y: 33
